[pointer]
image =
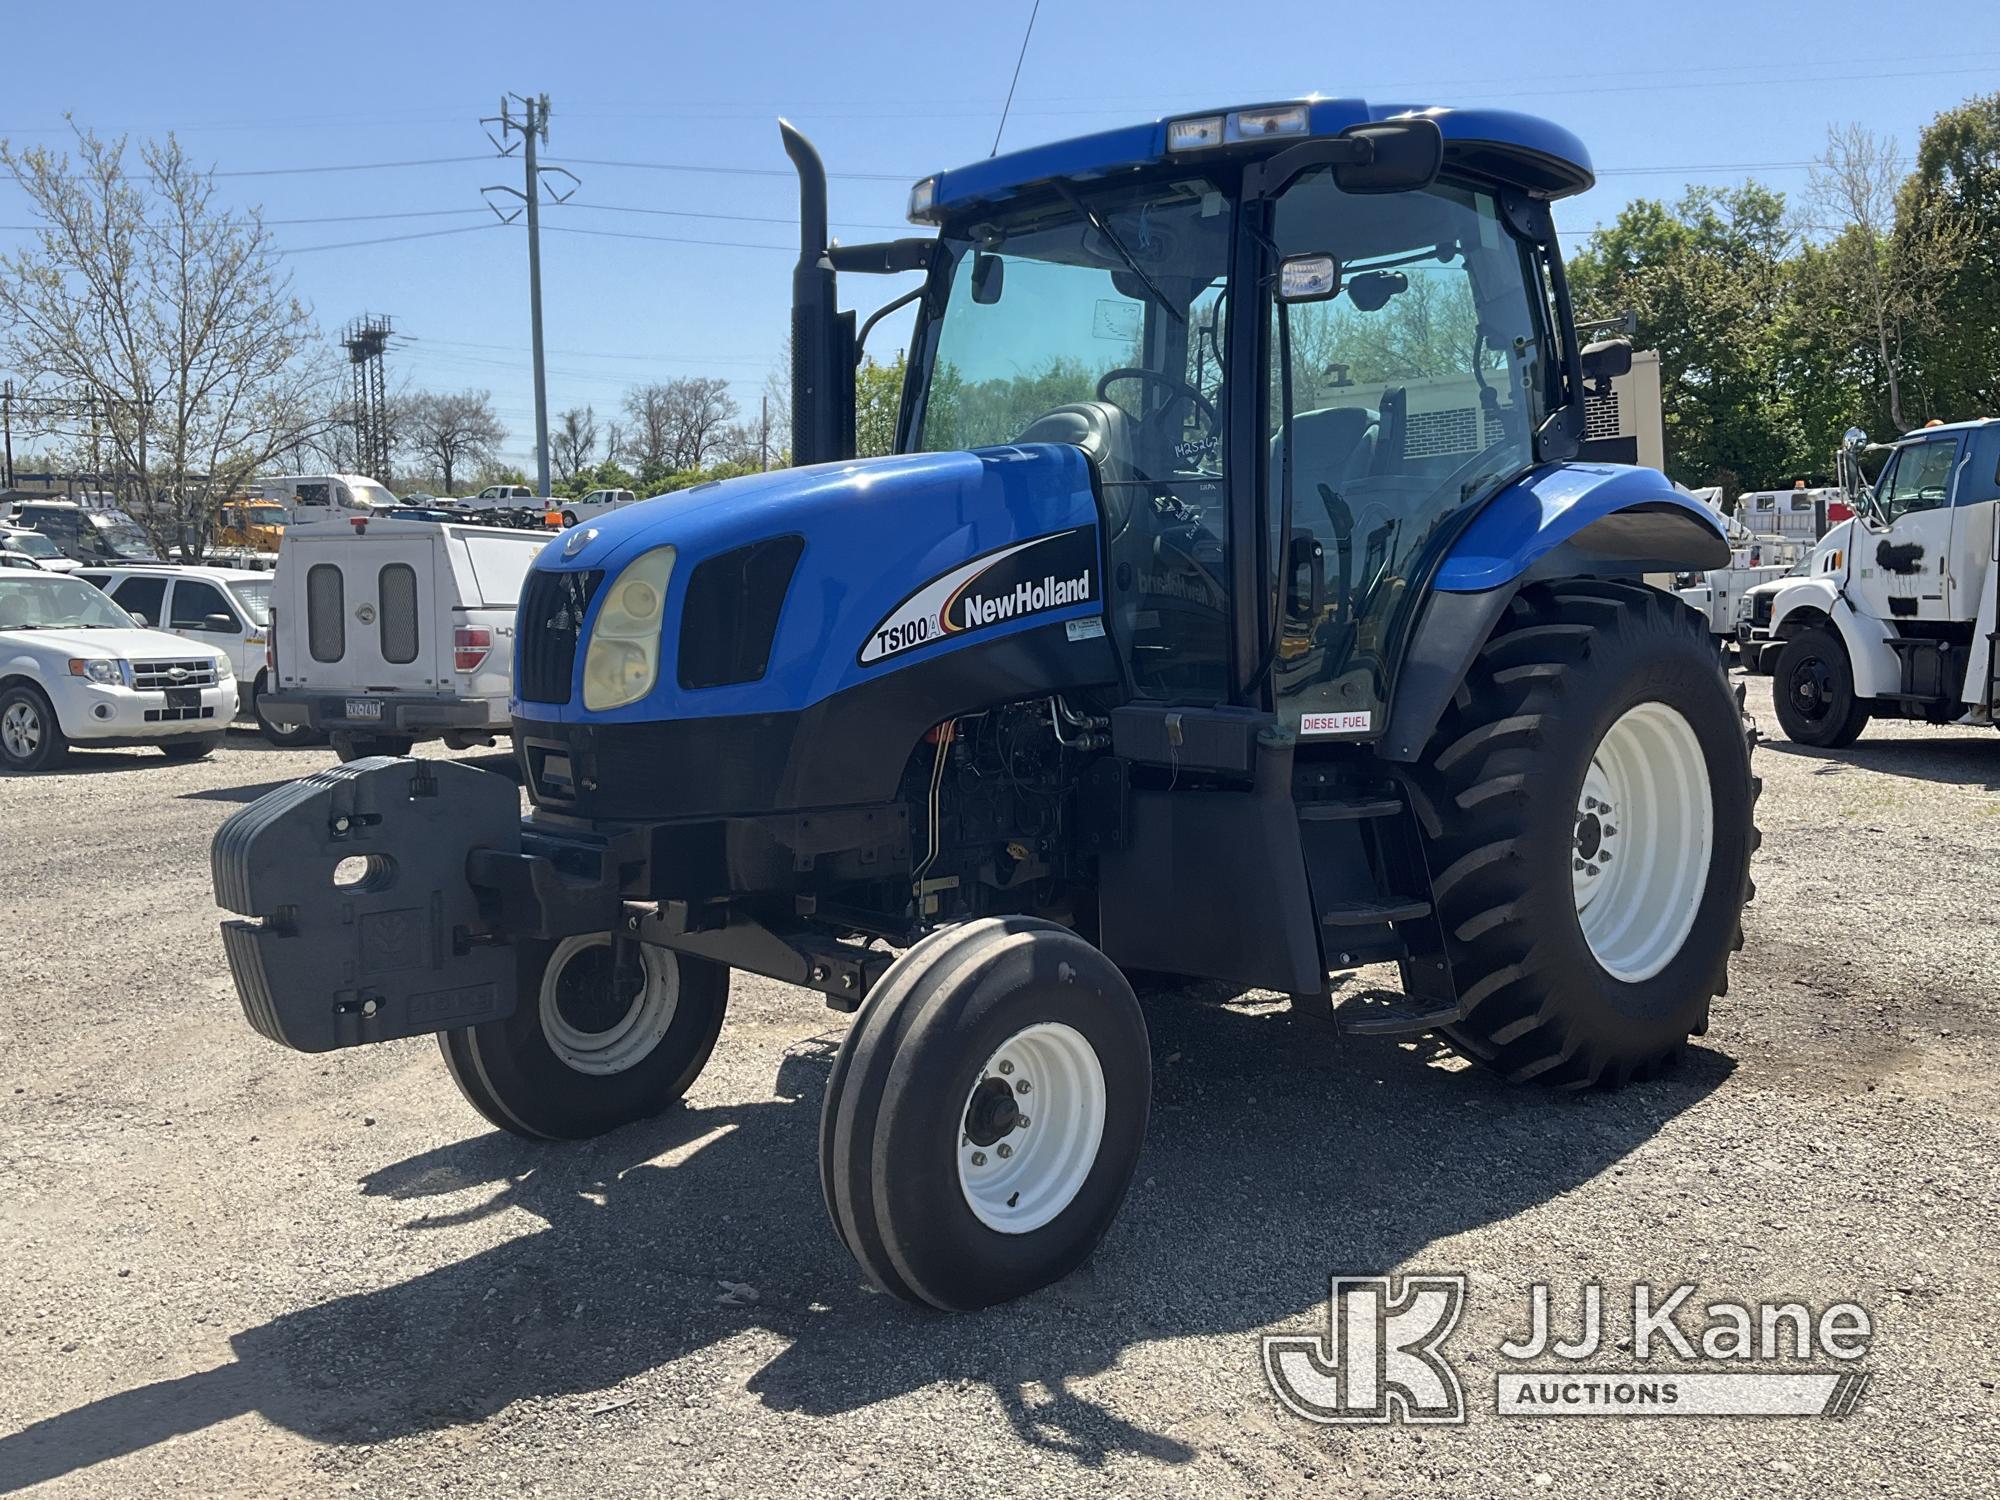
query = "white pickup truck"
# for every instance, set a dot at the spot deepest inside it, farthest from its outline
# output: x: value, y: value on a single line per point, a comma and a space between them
x: 386, y: 632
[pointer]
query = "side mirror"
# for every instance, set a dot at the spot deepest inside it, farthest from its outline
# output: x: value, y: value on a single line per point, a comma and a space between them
x: 1308, y: 278
x: 1854, y: 440
x: 138, y: 619
x: 1403, y: 155
x: 221, y: 624
x: 1607, y: 359
x: 989, y: 276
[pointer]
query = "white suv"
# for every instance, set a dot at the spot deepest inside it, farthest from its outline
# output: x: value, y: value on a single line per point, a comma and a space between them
x: 38, y: 549
x: 228, y: 609
x: 74, y: 668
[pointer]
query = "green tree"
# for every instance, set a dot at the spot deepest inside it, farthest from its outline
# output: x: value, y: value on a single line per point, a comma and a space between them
x: 1710, y: 279
x: 1955, y: 190
x: 878, y: 397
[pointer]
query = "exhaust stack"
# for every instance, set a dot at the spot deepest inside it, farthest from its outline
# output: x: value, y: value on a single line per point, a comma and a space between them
x: 822, y: 335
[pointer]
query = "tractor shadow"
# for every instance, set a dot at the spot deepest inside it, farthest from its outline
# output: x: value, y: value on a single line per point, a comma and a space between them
x: 1277, y: 1154
x: 1969, y: 758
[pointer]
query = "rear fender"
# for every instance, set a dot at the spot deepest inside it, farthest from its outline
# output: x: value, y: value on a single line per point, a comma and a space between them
x: 1559, y: 521
x: 1806, y: 603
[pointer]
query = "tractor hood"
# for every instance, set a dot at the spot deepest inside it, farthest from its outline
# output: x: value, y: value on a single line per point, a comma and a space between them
x: 897, y: 561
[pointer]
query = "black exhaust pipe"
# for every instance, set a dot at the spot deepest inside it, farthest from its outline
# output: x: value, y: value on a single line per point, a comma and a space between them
x: 822, y: 335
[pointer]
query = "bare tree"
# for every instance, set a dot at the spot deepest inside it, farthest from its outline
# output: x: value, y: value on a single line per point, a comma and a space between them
x: 164, y: 315
x: 573, y: 445
x: 676, y: 425
x: 1892, y: 285
x: 451, y: 431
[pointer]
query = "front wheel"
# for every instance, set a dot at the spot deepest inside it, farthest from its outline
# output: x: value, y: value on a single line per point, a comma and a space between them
x: 1812, y: 687
x: 1592, y: 802
x: 984, y: 1116
x: 30, y: 737
x: 589, y: 1049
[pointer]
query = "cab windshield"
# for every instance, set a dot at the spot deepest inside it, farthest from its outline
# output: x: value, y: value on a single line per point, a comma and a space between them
x: 55, y: 603
x: 120, y: 536
x: 1096, y: 316
x: 30, y: 544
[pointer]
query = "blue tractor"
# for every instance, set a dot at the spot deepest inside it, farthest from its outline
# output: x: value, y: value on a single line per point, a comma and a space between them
x: 1244, y: 600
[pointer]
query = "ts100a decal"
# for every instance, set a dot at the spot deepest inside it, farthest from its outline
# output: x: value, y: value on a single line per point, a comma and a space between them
x: 1027, y: 578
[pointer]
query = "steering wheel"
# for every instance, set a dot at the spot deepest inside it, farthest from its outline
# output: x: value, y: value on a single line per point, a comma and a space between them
x: 1174, y: 384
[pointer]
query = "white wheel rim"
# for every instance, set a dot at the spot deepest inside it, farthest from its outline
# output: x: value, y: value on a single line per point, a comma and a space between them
x: 1019, y: 1174
x: 21, y: 730
x: 586, y: 1032
x: 1645, y: 833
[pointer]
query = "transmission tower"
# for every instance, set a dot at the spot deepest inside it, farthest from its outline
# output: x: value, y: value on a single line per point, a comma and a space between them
x: 365, y: 339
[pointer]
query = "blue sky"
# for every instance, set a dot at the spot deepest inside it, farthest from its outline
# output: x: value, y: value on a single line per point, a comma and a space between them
x: 1663, y: 94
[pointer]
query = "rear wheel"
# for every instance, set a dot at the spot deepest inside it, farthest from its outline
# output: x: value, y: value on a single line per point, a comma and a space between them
x: 587, y: 1050
x: 30, y: 737
x: 286, y: 734
x: 984, y: 1116
x: 359, y: 746
x: 1592, y: 804
x: 1813, y: 689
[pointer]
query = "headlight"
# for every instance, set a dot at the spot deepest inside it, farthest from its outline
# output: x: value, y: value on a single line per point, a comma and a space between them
x: 106, y: 670
x: 224, y: 669
x: 623, y: 660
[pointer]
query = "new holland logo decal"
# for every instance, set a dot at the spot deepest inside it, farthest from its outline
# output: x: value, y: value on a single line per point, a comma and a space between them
x: 1027, y: 578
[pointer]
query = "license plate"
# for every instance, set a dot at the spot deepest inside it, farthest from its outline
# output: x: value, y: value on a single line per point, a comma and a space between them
x: 364, y: 708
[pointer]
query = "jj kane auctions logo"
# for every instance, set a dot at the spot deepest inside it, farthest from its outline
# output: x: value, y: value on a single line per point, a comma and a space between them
x: 1382, y: 1357
x: 1028, y: 578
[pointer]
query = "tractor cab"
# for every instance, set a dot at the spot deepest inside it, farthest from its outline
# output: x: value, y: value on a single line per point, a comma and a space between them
x: 1302, y: 345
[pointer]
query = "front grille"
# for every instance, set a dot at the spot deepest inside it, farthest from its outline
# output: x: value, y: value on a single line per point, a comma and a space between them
x: 1760, y: 608
x: 157, y: 676
x: 550, y: 623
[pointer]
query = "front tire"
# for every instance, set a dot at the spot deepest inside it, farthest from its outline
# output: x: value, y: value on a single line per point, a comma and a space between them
x: 578, y: 1057
x: 1812, y: 688
x: 984, y: 1115
x: 1591, y: 831
x: 30, y: 737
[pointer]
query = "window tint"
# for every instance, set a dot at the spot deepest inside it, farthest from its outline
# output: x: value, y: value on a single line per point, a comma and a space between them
x: 195, y: 601
x: 397, y: 584
x: 142, y: 596
x: 326, y: 613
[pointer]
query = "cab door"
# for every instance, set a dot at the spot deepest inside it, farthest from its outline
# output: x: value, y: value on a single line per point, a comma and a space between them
x: 1901, y: 568
x: 199, y: 611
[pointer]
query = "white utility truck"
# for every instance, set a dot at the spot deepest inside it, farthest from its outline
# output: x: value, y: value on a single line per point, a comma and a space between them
x: 386, y: 632
x: 1897, y: 616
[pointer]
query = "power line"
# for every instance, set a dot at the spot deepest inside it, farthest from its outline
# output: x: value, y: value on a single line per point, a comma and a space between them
x: 388, y: 239
x: 1014, y: 83
x: 665, y: 239
x: 683, y: 166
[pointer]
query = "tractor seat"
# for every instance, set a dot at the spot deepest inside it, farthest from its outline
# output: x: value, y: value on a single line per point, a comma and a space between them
x: 1334, y: 446
x: 1099, y: 428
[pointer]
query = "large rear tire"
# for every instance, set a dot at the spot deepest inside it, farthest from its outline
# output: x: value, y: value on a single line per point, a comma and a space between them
x: 1812, y: 687
x: 579, y: 1056
x: 1589, y: 835
x: 984, y: 1116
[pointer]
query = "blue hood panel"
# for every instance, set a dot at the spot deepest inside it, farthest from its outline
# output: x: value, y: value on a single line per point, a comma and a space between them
x: 876, y: 532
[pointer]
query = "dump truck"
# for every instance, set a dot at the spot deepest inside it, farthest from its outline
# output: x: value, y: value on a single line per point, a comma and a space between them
x: 1154, y: 649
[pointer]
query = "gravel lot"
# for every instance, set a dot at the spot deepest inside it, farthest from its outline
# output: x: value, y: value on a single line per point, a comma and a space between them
x: 230, y: 1269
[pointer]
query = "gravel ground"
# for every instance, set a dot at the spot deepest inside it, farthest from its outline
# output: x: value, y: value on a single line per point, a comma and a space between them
x: 230, y: 1269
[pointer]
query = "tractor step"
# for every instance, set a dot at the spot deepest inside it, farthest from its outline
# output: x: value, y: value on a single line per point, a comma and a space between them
x: 1342, y: 812
x: 1369, y: 913
x: 1387, y: 1013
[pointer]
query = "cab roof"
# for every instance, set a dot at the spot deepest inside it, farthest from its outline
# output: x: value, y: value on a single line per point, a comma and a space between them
x: 1518, y: 150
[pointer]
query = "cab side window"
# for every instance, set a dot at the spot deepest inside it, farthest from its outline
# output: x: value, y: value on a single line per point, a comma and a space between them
x: 195, y: 601
x: 142, y: 596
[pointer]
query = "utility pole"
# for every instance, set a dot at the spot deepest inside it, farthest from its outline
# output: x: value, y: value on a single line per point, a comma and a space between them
x: 7, y: 427
x: 532, y: 128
